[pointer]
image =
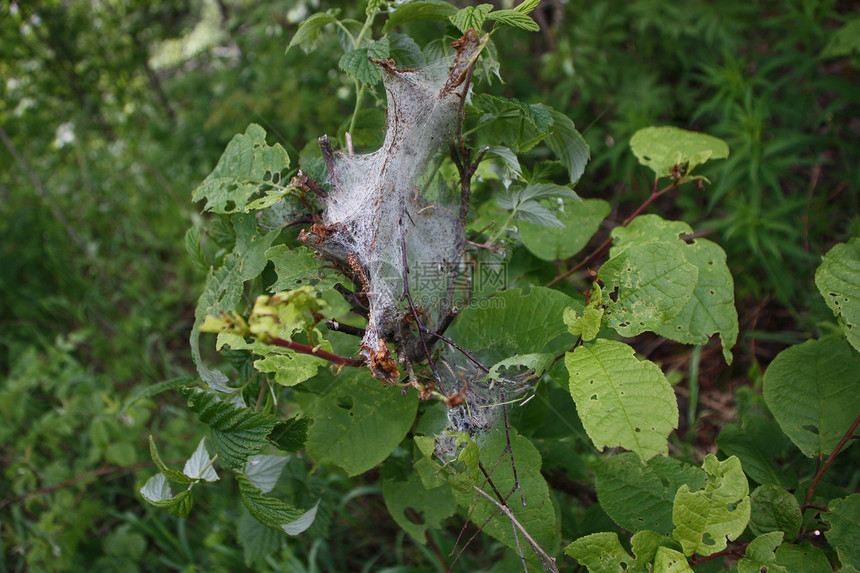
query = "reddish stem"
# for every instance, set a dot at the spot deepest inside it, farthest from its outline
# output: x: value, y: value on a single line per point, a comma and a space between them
x: 305, y: 349
x: 732, y: 551
x: 823, y: 467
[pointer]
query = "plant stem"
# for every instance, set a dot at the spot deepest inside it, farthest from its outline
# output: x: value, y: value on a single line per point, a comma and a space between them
x: 693, y: 400
x: 823, y: 467
x: 305, y: 349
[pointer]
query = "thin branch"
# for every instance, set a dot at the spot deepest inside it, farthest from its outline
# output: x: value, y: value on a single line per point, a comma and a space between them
x: 549, y: 561
x: 305, y: 349
x: 823, y: 467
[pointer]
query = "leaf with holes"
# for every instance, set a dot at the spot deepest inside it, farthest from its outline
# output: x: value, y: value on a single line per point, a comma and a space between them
x: 415, y: 508
x: 246, y: 167
x: 654, y: 283
x: 705, y: 519
x: 639, y: 497
x: 812, y: 391
x: 603, y: 552
x: 586, y: 326
x: 357, y: 423
x: 711, y: 307
x: 759, y: 555
x: 237, y: 433
x: 803, y: 557
x: 622, y: 401
x: 662, y: 148
x: 838, y: 281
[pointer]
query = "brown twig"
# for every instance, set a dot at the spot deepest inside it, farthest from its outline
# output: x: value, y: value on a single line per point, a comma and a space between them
x: 826, y: 463
x: 305, y: 349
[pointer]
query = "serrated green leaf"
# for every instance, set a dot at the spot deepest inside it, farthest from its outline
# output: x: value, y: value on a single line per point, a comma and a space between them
x: 199, y: 465
x: 308, y: 31
x: 291, y: 369
x: 838, y: 281
x: 526, y: 6
x: 194, y: 248
x: 357, y: 62
x: 471, y: 17
x: 148, y: 391
x: 568, y: 145
x: 157, y: 492
x: 774, y: 510
x: 803, y: 557
x: 756, y: 442
x: 172, y: 475
x: 704, y: 520
x: 512, y: 164
x: 580, y: 220
x: 661, y: 148
x: 622, y: 401
x: 420, y: 10
x: 516, y: 323
x: 544, y: 191
x: 408, y: 501
x: 358, y: 424
x: 237, y: 433
x: 290, y: 435
x: 513, y: 18
x: 843, y: 517
x: 257, y: 540
x: 654, y: 282
x: 812, y: 390
x: 759, y: 555
x: 711, y: 308
x: 406, y: 53
x: 245, y: 168
x: 639, y: 497
x: 273, y: 512
x: 263, y: 471
x: 512, y: 109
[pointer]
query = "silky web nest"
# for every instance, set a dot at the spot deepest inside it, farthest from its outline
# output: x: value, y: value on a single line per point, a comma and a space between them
x: 394, y: 200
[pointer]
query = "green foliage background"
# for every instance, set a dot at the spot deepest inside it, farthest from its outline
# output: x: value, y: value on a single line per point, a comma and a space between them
x: 112, y: 112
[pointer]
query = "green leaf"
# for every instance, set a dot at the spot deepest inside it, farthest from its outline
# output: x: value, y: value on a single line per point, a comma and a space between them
x: 420, y: 10
x: 759, y: 555
x: 513, y: 18
x: 157, y: 492
x: 308, y: 31
x: 843, y: 517
x: 512, y: 110
x: 257, y: 540
x: 670, y: 561
x: 526, y: 6
x: 711, y: 308
x: 775, y: 509
x: 838, y: 281
x: 148, y: 391
x: 568, y: 145
x: 246, y: 167
x: 535, y: 213
x: 580, y: 220
x: 811, y: 389
x: 199, y: 465
x: 172, y: 475
x: 843, y: 42
x: 538, y: 516
x: 803, y: 557
x: 756, y: 442
x: 194, y: 248
x: 263, y: 471
x: 654, y: 282
x: 662, y: 148
x: 639, y: 497
x: 290, y: 435
x: 471, y: 17
x: 603, y: 552
x: 515, y: 323
x: 357, y: 62
x: 291, y: 369
x: 622, y: 402
x: 588, y: 325
x: 358, y: 424
x: 415, y: 508
x: 704, y: 520
x: 273, y: 512
x: 237, y: 433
